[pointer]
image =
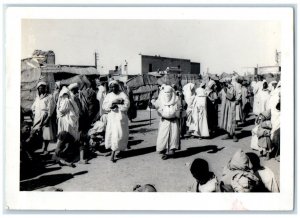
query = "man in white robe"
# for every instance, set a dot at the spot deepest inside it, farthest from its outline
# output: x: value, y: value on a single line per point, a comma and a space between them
x: 102, y: 92
x: 116, y: 103
x: 168, y: 107
x: 189, y: 95
x: 257, y: 87
x: 42, y: 109
x: 199, y: 125
x: 264, y: 98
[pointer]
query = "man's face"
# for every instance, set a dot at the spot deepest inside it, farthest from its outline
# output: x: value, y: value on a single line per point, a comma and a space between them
x: 42, y: 89
x: 114, y: 88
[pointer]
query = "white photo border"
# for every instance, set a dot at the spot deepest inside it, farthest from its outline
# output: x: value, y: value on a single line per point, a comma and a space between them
x: 15, y: 199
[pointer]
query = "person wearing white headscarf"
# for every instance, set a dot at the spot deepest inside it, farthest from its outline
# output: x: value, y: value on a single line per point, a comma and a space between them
x: 116, y: 103
x: 189, y: 95
x: 257, y: 87
x: 199, y: 125
x: 264, y: 98
x: 102, y: 92
x: 67, y: 114
x: 42, y: 109
x: 274, y: 96
x: 168, y: 107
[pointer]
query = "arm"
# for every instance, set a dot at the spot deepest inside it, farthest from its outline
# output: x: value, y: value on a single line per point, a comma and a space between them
x: 126, y: 104
x: 107, y: 103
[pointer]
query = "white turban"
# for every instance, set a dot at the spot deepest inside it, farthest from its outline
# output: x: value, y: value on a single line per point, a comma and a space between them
x: 113, y: 82
x: 72, y: 86
x: 40, y: 84
x: 211, y: 83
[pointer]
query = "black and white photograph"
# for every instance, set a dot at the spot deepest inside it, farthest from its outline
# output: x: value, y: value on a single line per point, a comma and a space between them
x: 176, y: 105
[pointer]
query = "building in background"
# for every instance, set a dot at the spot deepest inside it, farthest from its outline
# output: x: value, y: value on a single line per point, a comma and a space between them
x: 170, y: 65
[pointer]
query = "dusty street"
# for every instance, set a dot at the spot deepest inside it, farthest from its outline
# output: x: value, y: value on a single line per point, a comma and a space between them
x: 143, y: 165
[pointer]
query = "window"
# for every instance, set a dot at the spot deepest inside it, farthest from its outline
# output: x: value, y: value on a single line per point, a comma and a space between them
x: 150, y: 67
x: 178, y: 66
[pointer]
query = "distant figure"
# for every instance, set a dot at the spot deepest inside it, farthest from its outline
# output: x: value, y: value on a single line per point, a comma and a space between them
x: 212, y: 106
x: 206, y: 181
x: 42, y: 109
x: 257, y: 87
x: 116, y: 103
x: 264, y: 98
x: 189, y: 95
x: 199, y: 114
x: 238, y: 99
x: 228, y: 110
x: 245, y: 100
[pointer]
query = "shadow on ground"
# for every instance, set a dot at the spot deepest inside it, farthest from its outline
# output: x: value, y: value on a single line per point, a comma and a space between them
x: 244, y: 134
x: 195, y: 150
x: 138, y: 125
x: 47, y: 180
x: 137, y: 152
x: 140, y: 121
x: 141, y: 130
x: 134, y: 142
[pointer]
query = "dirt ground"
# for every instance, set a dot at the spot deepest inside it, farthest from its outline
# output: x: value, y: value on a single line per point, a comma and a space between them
x: 143, y: 165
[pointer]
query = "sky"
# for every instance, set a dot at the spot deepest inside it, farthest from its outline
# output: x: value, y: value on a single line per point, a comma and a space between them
x: 220, y: 46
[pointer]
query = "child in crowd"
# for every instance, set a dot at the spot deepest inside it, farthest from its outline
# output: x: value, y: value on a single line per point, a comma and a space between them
x: 206, y: 181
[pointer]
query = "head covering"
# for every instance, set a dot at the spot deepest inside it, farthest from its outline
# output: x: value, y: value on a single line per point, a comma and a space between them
x: 57, y: 84
x: 113, y: 82
x: 63, y: 91
x: 240, y: 161
x: 200, y: 92
x: 73, y: 86
x: 202, y: 84
x: 211, y: 83
x: 167, y: 95
x: 245, y: 83
x: 41, y: 84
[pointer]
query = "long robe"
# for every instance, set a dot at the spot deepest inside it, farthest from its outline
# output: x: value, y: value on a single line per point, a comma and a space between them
x: 188, y: 97
x: 221, y: 108
x: 257, y: 87
x: 199, y: 114
x: 264, y: 98
x: 42, y: 108
x: 168, y: 131
x: 67, y: 115
x: 228, y: 113
x: 117, y: 131
x: 100, y: 97
x: 238, y: 97
x: 212, y: 110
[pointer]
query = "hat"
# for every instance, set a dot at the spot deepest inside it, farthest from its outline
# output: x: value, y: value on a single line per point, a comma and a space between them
x: 168, y: 88
x: 73, y: 86
x: 41, y: 84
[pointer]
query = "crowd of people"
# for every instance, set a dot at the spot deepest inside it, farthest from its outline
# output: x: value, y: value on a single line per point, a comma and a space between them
x: 85, y: 121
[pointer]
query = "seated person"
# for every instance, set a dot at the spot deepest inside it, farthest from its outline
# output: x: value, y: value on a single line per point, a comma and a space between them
x: 206, y: 181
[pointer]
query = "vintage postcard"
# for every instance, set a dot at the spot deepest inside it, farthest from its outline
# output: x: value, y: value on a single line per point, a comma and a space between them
x: 183, y: 102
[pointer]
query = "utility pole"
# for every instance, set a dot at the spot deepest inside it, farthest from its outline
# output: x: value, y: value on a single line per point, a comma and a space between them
x: 96, y: 60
